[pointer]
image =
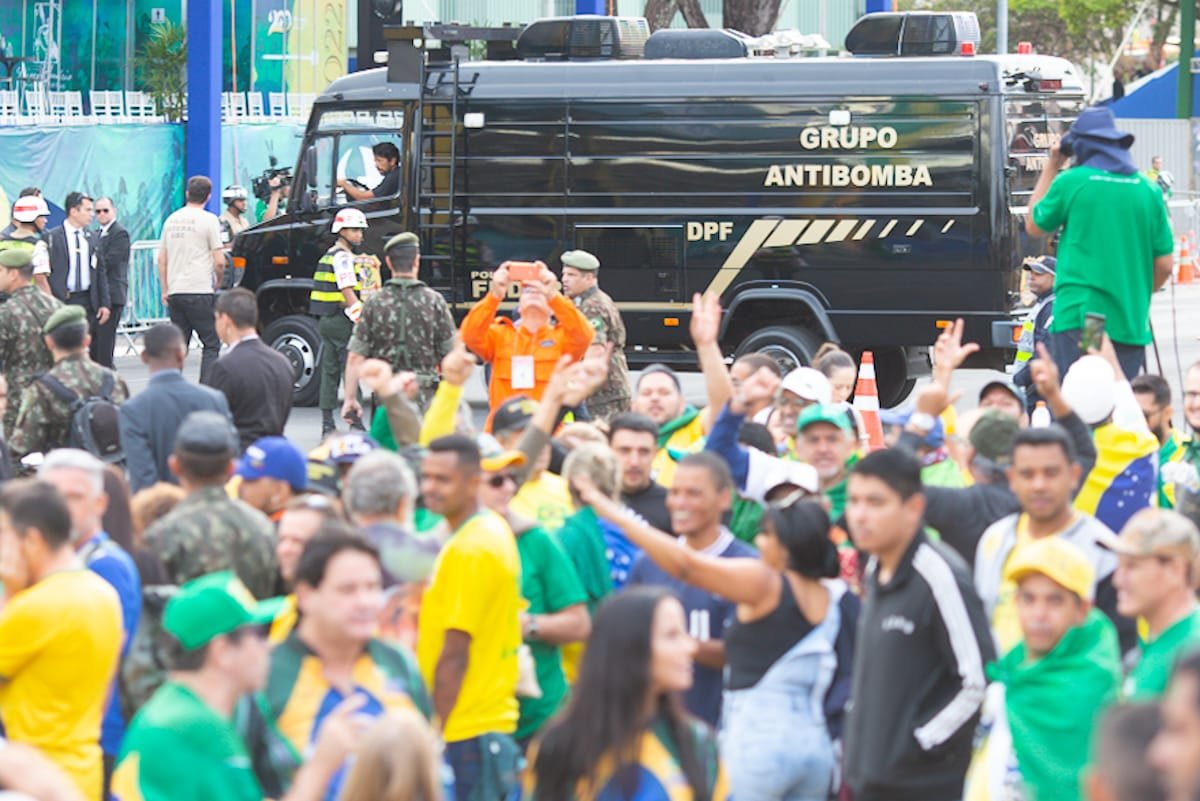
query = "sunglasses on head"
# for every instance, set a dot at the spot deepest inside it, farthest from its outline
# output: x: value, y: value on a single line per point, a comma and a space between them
x: 500, y: 479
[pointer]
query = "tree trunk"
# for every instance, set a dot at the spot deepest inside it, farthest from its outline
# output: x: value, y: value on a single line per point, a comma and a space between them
x: 693, y: 15
x: 752, y: 17
x: 1164, y: 21
x: 659, y: 13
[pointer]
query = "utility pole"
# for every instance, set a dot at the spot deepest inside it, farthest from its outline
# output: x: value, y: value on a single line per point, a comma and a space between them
x: 1001, y: 26
x: 1187, y: 49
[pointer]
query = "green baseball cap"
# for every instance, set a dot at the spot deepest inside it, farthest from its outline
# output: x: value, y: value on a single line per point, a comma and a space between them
x: 212, y: 605
x: 823, y: 413
x: 65, y: 315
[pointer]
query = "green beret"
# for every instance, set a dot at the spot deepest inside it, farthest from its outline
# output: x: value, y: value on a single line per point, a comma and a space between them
x: 16, y: 257
x: 65, y: 315
x: 580, y: 260
x: 404, y: 240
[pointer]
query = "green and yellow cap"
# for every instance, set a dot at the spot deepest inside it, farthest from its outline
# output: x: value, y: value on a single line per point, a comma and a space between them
x: 212, y: 605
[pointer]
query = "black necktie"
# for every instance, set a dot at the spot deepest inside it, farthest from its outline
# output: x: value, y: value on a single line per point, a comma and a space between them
x: 78, y: 261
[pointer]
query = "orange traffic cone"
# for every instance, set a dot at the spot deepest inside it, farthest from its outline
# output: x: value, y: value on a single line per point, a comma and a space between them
x: 1187, y: 269
x: 866, y: 401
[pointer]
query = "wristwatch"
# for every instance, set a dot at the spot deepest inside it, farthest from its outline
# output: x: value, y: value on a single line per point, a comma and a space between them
x: 922, y: 422
x: 531, y: 629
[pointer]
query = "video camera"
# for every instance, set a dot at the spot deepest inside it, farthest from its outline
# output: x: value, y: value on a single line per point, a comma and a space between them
x: 261, y: 186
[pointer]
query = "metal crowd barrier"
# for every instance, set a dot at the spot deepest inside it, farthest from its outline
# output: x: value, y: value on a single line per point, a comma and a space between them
x: 144, y: 306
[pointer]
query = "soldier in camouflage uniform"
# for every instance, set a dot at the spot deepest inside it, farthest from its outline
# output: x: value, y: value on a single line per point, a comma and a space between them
x: 23, y: 355
x: 44, y: 421
x: 406, y: 324
x: 580, y: 284
x: 207, y: 530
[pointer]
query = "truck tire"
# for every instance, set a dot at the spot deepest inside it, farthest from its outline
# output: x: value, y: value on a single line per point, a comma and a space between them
x: 790, y: 345
x: 296, y: 337
x: 892, y: 395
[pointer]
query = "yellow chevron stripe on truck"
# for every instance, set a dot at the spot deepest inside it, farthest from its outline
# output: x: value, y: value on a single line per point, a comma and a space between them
x: 774, y: 233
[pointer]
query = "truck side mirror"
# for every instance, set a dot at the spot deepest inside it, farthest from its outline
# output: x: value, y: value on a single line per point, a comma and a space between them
x: 310, y: 167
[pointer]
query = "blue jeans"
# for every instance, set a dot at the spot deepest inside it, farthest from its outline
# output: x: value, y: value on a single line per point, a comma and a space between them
x: 486, y: 768
x: 1064, y: 349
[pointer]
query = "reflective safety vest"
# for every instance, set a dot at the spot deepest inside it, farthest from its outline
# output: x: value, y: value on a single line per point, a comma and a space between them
x: 1025, y: 348
x: 325, y: 297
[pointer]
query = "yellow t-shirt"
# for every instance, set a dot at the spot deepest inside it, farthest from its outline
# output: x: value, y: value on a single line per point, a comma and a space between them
x: 476, y: 588
x: 682, y: 441
x: 546, y: 500
x: 59, y: 644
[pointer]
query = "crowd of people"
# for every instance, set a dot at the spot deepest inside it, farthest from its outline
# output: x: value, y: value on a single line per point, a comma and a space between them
x: 604, y: 591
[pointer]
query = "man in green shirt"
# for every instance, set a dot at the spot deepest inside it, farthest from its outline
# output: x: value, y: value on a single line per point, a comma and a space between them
x: 1157, y: 550
x: 182, y: 744
x: 1116, y: 246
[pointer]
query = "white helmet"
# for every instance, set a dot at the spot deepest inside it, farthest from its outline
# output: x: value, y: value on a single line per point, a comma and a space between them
x: 28, y: 209
x: 349, y: 218
x: 234, y: 192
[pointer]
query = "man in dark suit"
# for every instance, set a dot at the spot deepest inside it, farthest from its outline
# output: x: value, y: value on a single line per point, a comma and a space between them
x: 75, y: 273
x: 150, y: 419
x: 113, y: 251
x: 256, y: 379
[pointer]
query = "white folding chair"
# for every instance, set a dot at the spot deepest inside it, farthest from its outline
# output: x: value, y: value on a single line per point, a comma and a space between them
x: 254, y: 104
x: 276, y: 104
x: 36, y: 107
x: 226, y: 106
x: 56, y: 104
x: 10, y: 107
x: 74, y: 106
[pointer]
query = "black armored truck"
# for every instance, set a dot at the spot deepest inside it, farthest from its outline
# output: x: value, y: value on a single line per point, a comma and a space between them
x: 865, y: 199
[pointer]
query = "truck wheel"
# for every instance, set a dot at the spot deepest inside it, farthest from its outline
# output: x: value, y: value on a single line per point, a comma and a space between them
x: 791, y: 346
x: 892, y: 395
x: 296, y: 337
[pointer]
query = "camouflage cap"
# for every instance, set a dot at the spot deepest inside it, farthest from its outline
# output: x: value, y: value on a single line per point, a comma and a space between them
x: 580, y: 260
x: 403, y: 240
x: 16, y: 258
x: 65, y: 315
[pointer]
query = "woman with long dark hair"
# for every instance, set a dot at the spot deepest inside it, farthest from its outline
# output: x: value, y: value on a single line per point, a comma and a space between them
x: 625, y: 734
x: 788, y: 651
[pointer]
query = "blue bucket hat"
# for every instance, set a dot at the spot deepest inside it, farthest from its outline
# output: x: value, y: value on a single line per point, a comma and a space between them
x: 1098, y: 122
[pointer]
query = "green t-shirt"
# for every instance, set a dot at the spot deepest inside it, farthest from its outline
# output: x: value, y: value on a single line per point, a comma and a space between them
x: 549, y: 584
x: 583, y: 542
x: 1113, y: 227
x: 1149, y: 678
x: 178, y: 749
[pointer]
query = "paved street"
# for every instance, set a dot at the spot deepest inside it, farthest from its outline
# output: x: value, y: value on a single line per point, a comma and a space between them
x: 1175, y: 309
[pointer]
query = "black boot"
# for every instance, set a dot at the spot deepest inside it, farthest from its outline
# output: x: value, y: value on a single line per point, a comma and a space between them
x: 327, y: 424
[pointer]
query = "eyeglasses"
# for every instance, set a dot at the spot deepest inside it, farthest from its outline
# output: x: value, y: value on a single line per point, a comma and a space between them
x: 104, y: 211
x: 500, y: 479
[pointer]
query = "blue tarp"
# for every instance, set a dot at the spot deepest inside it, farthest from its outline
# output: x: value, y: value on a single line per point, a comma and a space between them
x: 1153, y: 97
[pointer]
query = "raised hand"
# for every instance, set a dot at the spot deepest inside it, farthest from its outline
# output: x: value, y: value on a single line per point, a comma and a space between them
x: 705, y: 324
x: 949, y: 352
x: 457, y: 365
x: 1044, y: 373
x: 759, y: 386
x: 501, y: 281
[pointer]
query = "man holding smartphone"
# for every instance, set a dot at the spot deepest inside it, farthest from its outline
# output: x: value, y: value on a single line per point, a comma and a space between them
x: 1116, y: 246
x: 524, y: 354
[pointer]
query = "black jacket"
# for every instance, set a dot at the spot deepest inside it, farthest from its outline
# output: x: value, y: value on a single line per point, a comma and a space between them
x: 114, y: 260
x: 60, y: 267
x: 257, y: 381
x: 923, y: 642
x: 150, y: 420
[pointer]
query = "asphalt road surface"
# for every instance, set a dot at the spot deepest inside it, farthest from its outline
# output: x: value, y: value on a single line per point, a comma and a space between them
x: 1173, y: 313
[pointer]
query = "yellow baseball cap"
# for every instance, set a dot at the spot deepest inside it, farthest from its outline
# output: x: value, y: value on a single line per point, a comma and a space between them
x: 1057, y: 560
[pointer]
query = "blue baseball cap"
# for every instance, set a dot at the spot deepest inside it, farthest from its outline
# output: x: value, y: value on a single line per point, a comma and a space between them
x: 936, y: 437
x: 275, y: 457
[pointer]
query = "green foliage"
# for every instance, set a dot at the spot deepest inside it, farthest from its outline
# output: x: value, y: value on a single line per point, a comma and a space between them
x: 1082, y: 31
x: 162, y: 68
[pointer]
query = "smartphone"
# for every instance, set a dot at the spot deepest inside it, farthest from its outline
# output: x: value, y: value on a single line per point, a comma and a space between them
x: 1093, y: 332
x: 520, y: 271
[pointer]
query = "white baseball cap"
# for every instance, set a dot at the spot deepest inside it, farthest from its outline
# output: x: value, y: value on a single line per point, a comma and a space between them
x: 797, y: 474
x: 1089, y: 388
x: 809, y: 383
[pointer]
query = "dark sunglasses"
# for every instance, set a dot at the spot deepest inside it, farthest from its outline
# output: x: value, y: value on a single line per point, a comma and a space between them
x: 104, y: 211
x: 500, y: 479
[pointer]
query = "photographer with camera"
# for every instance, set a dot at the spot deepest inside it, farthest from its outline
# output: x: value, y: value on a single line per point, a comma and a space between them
x: 387, y: 161
x: 268, y: 188
x: 1116, y: 246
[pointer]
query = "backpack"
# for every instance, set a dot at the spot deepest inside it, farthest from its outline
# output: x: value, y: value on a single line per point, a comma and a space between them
x: 95, y: 425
